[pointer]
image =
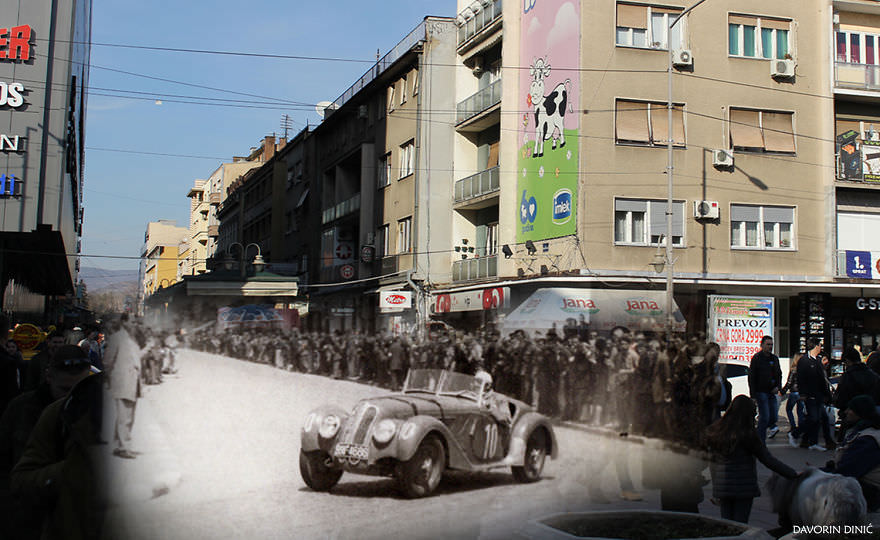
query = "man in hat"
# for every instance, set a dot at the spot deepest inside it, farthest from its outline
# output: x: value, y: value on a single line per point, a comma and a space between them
x: 124, y: 360
x: 859, y: 456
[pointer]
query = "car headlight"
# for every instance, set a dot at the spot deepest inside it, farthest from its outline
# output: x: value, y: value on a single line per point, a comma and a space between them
x: 384, y: 431
x: 329, y: 426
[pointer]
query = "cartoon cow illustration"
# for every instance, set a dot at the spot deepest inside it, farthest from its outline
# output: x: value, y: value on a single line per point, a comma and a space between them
x: 549, y: 109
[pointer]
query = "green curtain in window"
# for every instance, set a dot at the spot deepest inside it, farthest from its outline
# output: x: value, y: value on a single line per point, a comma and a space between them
x: 733, y: 39
x: 749, y: 40
x: 781, y: 43
x: 767, y: 42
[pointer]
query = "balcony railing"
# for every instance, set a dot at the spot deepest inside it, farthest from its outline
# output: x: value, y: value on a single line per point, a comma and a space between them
x: 481, y: 19
x: 213, y: 230
x: 214, y: 198
x: 856, y: 76
x: 342, y: 209
x: 479, y: 268
x: 478, y: 184
x: 858, y: 264
x: 479, y: 102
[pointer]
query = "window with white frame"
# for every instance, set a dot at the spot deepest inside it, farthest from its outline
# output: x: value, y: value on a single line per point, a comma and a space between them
x: 758, y: 37
x: 385, y: 170
x: 415, y: 82
x: 403, y: 90
x: 647, y: 27
x: 647, y: 123
x: 491, y: 238
x: 752, y: 130
x: 407, y: 155
x: 404, y: 238
x: 761, y: 227
x: 642, y: 222
x: 382, y: 241
x: 391, y: 103
x: 856, y: 47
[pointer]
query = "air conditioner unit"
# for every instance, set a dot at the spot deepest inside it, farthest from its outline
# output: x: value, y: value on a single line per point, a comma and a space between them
x: 682, y: 57
x: 722, y: 158
x: 782, y: 69
x: 706, y: 210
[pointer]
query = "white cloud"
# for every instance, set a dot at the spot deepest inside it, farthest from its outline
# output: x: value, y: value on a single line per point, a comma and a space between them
x: 565, y: 28
x: 534, y: 26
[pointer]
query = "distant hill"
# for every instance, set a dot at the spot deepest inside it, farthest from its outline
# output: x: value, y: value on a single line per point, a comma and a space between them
x: 98, y: 279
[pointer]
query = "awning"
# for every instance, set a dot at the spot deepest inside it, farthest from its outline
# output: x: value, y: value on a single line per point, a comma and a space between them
x: 602, y: 309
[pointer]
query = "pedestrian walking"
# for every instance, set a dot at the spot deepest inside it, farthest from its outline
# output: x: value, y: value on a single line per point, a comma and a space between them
x: 793, y: 400
x: 765, y: 380
x: 123, y: 360
x: 814, y: 387
x: 734, y: 446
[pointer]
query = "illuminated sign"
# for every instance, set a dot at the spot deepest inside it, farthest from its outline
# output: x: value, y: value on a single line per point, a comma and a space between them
x: 10, y: 94
x: 15, y: 43
x: 9, y: 185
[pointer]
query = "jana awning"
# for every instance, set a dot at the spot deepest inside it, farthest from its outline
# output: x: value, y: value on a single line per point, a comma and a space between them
x: 556, y: 308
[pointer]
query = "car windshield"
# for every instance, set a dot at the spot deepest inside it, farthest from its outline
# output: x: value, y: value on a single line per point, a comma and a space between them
x: 422, y: 380
x: 439, y: 381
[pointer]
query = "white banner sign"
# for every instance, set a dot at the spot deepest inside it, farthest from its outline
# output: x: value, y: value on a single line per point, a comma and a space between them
x: 395, y: 299
x: 737, y: 324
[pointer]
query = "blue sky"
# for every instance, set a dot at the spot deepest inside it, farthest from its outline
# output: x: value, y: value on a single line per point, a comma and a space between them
x: 124, y: 191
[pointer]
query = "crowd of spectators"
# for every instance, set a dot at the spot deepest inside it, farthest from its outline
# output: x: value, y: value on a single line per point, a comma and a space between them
x: 632, y: 382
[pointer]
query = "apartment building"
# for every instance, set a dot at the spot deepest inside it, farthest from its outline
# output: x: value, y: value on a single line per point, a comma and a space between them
x: 855, y: 74
x: 576, y: 122
x: 160, y: 256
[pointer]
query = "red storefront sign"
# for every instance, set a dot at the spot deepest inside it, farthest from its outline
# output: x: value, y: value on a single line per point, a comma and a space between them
x: 15, y: 43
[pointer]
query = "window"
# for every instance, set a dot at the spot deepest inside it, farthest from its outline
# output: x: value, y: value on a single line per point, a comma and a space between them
x: 648, y: 27
x: 385, y: 170
x: 758, y: 37
x: 390, y: 98
x: 407, y: 153
x: 642, y: 122
x: 643, y: 222
x: 761, y: 227
x: 403, y: 90
x: 415, y: 83
x: 491, y: 239
x: 404, y: 240
x: 382, y: 241
x: 761, y: 131
x: 857, y: 47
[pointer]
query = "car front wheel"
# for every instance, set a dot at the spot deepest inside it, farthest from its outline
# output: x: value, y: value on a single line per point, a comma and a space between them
x: 316, y: 470
x: 536, y: 453
x: 420, y: 475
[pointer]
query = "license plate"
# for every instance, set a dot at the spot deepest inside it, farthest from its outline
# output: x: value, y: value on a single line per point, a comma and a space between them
x: 354, y: 451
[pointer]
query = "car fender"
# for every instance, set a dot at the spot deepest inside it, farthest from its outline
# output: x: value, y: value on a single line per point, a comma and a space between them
x: 415, y: 429
x: 310, y: 439
x: 525, y: 425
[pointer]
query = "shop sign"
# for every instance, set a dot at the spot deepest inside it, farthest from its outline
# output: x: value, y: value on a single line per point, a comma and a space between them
x: 395, y: 299
x: 15, y: 43
x: 27, y: 336
x: 870, y: 304
x: 493, y: 298
x: 738, y: 323
x: 346, y: 271
x: 863, y: 264
x: 10, y: 143
x: 9, y: 186
x: 10, y: 94
x: 368, y: 254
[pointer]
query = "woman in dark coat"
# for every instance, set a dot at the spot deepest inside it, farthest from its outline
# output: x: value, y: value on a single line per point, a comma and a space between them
x: 734, y: 445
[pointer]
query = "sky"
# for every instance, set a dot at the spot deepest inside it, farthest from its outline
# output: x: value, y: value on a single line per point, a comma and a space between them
x: 124, y: 190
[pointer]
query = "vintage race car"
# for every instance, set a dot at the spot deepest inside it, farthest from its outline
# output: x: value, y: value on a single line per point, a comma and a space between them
x: 441, y: 420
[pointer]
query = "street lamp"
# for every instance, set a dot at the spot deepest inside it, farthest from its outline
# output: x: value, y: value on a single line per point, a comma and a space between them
x: 258, y: 262
x: 670, y: 318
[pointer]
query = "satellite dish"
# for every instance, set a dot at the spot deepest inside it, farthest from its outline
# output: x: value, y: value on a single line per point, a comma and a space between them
x: 324, y: 105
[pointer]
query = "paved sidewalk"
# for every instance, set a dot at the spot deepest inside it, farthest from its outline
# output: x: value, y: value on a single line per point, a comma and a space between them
x: 155, y: 470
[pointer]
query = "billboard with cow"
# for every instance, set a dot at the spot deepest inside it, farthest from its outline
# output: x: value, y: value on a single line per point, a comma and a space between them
x: 548, y: 131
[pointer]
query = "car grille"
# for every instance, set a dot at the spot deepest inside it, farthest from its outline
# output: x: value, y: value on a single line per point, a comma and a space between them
x: 358, y: 426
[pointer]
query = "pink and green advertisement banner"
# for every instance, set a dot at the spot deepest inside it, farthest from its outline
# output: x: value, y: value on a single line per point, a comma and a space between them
x: 548, y: 130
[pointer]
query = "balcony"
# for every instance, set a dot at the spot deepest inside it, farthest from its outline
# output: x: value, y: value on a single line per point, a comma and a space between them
x: 481, y: 101
x: 478, y: 268
x: 214, y: 198
x: 477, y: 185
x: 856, y: 76
x: 341, y: 210
x: 474, y: 23
x: 857, y: 264
x: 213, y: 231
x: 391, y: 264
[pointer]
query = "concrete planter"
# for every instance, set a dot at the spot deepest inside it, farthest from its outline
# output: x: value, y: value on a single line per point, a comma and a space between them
x: 580, y: 526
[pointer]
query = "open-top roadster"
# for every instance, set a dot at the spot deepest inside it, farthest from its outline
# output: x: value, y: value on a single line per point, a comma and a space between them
x: 441, y: 420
